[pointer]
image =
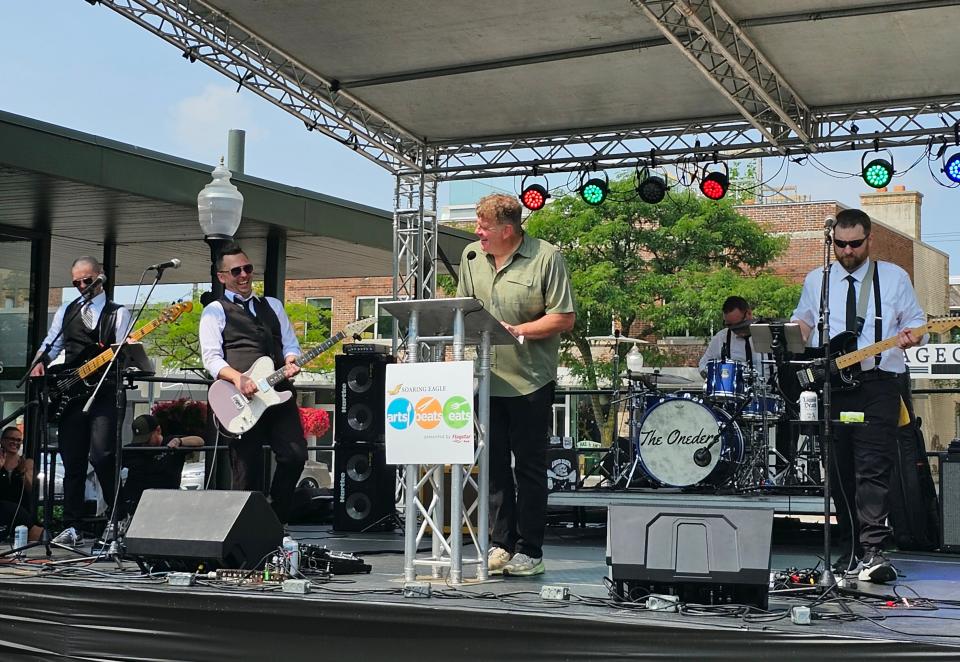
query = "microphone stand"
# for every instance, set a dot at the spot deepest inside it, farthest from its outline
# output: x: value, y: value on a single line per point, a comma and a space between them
x: 111, y: 534
x: 827, y: 579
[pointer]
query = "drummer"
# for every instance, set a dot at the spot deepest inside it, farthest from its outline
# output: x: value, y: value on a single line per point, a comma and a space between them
x: 733, y: 342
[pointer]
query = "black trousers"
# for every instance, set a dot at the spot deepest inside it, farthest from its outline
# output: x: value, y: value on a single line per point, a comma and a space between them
x: 93, y: 437
x: 518, y: 498
x: 280, y: 428
x: 862, y: 460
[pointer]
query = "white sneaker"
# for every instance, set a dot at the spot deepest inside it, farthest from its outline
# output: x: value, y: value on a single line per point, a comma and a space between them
x: 522, y: 565
x: 497, y: 557
x: 69, y: 537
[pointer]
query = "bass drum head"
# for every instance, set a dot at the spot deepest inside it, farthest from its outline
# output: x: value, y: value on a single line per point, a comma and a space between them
x: 673, y: 430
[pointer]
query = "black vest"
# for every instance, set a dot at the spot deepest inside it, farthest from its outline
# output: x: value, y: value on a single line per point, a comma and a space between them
x: 246, y: 339
x: 81, y: 343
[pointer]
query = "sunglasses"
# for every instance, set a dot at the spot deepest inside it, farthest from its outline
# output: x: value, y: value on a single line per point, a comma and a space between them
x: 83, y: 282
x: 236, y: 271
x: 16, y: 439
x: 853, y: 243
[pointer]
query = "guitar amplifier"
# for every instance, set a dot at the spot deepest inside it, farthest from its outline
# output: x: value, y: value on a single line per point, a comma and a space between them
x: 360, y: 383
x: 950, y: 503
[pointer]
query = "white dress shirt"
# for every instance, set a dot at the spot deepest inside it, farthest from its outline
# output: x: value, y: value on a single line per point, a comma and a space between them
x: 898, y: 300
x: 96, y: 304
x: 738, y: 351
x: 214, y: 319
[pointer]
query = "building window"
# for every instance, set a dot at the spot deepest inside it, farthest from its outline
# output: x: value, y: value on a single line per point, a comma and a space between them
x: 317, y: 329
x: 370, y: 307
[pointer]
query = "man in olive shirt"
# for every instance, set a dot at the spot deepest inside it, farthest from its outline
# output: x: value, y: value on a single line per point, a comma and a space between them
x: 523, y: 282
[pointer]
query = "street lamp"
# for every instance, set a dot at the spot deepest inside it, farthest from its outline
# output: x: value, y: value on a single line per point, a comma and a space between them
x: 220, y: 207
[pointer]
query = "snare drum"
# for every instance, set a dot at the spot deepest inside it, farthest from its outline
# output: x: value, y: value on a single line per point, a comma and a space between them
x: 673, y: 430
x: 725, y: 380
x: 760, y: 405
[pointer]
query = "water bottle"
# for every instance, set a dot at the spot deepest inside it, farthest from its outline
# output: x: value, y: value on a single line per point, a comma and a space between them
x: 808, y: 406
x: 20, y: 537
x: 292, y: 549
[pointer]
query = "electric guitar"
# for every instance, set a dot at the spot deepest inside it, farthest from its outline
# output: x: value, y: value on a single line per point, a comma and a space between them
x: 237, y: 413
x: 68, y: 383
x: 846, y: 366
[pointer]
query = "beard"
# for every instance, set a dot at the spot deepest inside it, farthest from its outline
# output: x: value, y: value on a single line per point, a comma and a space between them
x: 851, y: 262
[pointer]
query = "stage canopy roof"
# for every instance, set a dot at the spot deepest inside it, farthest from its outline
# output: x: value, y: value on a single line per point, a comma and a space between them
x: 87, y: 190
x: 464, y: 89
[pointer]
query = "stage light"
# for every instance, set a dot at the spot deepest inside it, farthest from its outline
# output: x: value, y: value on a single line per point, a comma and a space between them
x: 714, y: 185
x: 594, y: 190
x: 878, y: 172
x: 952, y: 168
x: 650, y: 188
x: 533, y: 197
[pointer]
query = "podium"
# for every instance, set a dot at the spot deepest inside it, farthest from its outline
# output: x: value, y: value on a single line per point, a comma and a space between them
x: 437, y: 323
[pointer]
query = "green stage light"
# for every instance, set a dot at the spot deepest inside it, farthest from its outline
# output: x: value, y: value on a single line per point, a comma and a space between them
x: 594, y: 191
x: 878, y: 172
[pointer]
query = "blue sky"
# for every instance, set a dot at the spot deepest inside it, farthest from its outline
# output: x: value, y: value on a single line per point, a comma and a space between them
x: 87, y: 68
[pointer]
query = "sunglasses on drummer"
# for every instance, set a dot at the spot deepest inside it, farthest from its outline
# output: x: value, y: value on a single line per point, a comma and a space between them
x: 853, y: 243
x: 83, y: 282
x: 236, y: 271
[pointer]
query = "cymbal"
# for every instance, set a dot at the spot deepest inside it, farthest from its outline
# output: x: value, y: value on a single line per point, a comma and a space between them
x: 651, y: 378
x: 617, y: 339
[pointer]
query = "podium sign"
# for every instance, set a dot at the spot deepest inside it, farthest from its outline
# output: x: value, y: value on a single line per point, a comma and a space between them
x: 429, y: 413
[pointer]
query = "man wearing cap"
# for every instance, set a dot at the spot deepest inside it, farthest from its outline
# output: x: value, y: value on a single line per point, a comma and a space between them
x: 158, y: 469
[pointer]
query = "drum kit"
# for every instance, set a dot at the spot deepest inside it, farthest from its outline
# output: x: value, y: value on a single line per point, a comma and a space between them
x: 717, y: 438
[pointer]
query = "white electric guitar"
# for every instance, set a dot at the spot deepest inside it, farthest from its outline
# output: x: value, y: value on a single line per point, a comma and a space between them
x: 237, y: 413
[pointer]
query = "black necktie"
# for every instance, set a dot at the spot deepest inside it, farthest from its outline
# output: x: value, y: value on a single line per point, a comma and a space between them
x: 851, y: 305
x: 248, y: 304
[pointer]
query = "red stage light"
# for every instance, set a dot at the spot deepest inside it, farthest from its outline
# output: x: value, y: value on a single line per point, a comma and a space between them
x: 714, y: 185
x: 534, y: 197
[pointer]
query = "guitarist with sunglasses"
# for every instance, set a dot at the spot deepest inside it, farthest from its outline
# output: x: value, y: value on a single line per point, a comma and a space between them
x: 864, y: 454
x: 235, y: 331
x: 97, y: 324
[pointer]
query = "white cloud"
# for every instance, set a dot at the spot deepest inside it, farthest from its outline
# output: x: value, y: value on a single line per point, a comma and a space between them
x: 199, y: 124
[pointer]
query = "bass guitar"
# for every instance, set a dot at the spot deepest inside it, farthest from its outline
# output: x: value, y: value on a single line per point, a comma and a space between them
x: 845, y: 367
x: 237, y: 413
x: 69, y: 383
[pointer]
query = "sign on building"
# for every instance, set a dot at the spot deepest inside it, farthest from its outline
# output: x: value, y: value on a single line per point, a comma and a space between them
x: 934, y: 361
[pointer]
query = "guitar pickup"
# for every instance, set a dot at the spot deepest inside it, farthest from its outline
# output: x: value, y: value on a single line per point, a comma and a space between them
x: 239, y: 401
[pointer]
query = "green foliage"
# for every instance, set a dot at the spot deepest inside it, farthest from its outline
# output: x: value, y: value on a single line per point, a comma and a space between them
x: 178, y: 343
x: 670, y: 265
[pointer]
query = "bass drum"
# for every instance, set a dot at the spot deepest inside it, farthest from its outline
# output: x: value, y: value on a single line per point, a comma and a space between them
x: 674, y: 429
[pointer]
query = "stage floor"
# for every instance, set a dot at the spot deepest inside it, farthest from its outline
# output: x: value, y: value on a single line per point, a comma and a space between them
x: 93, y: 611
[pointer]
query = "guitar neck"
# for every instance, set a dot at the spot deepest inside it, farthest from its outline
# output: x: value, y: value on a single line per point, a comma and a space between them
x: 278, y: 376
x: 106, y: 355
x: 859, y: 355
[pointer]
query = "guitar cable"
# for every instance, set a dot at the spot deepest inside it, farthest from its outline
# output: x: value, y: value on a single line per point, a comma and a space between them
x: 213, y: 462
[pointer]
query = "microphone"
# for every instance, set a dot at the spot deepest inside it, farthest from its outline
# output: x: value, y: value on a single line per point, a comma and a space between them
x: 702, y: 457
x: 99, y: 280
x: 169, y: 264
x: 471, y: 255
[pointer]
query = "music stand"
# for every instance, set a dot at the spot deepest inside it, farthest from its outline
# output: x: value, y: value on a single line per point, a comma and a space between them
x: 773, y: 338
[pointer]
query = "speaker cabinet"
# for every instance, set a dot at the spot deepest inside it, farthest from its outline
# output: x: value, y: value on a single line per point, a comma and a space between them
x: 702, y: 555
x: 185, y: 529
x: 364, y: 486
x: 950, y: 503
x: 360, y: 381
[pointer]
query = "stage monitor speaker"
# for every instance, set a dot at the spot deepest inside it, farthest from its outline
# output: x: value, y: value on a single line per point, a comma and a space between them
x: 364, y: 488
x: 950, y: 503
x: 184, y: 529
x: 702, y: 555
x: 360, y: 383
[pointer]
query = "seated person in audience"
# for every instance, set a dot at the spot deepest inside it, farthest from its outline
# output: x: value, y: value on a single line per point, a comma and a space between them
x: 160, y: 469
x: 16, y: 486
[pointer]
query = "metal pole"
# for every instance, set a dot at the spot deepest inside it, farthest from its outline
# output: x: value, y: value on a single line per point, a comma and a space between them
x: 236, y: 150
x: 483, y: 483
x: 456, y: 475
x: 411, y: 472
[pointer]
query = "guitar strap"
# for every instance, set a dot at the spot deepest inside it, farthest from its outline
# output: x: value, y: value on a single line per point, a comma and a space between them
x: 873, y: 277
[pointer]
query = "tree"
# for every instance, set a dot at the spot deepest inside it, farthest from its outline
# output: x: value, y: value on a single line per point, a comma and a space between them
x: 178, y: 343
x: 670, y: 265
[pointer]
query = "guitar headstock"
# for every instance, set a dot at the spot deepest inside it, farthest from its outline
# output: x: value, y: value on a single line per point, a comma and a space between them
x: 359, y: 326
x: 173, y: 312
x: 941, y: 324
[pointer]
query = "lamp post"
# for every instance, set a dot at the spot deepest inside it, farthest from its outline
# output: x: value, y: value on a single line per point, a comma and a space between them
x: 220, y: 208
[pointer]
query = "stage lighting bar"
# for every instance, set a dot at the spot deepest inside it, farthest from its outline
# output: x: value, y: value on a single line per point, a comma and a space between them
x: 594, y: 190
x: 533, y: 197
